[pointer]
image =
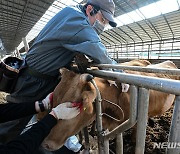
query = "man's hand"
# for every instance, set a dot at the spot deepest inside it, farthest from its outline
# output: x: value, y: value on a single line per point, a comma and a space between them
x: 66, y: 111
x: 81, y: 62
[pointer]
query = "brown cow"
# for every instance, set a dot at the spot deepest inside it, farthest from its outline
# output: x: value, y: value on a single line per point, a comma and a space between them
x: 74, y: 87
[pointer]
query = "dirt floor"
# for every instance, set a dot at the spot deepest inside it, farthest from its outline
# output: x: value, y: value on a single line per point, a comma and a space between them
x: 157, y: 131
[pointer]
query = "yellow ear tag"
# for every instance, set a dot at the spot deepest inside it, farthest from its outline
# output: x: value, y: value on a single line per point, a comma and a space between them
x: 84, y: 108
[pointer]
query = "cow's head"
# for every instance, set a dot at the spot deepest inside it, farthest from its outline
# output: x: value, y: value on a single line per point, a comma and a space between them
x: 76, y: 88
x: 72, y: 88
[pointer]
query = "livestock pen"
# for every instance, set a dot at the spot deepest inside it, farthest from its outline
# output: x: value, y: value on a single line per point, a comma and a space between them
x: 146, y: 29
x: 139, y: 107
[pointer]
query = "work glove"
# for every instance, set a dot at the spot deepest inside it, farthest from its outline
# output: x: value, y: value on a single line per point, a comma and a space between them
x: 66, y: 111
x: 47, y: 102
x: 124, y: 86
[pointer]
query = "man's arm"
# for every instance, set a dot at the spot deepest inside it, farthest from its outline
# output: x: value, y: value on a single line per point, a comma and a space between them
x: 28, y: 142
x: 87, y: 42
x: 12, y: 111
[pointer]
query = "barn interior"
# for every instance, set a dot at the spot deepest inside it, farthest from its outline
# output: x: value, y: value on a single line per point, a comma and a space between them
x: 147, y: 29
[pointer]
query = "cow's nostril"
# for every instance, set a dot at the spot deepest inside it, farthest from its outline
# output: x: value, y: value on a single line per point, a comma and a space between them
x: 46, y: 146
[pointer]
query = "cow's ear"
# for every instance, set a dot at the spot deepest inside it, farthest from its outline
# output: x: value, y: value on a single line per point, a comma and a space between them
x: 62, y: 70
x: 88, y: 98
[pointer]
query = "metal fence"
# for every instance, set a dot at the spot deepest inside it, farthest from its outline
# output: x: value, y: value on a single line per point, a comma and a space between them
x: 139, y: 102
x: 166, y: 49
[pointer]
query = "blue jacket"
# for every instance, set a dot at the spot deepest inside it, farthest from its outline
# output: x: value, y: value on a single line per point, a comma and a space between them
x: 67, y: 33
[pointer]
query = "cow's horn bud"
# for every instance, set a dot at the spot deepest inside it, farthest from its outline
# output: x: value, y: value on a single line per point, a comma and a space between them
x: 86, y: 77
x: 89, y: 77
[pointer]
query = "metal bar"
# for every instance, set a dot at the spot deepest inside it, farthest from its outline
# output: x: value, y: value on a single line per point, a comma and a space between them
x: 99, y: 120
x: 174, y: 134
x: 112, y: 37
x: 17, y: 53
x: 26, y: 45
x: 126, y: 34
x: 117, y: 35
x: 141, y: 69
x: 86, y: 138
x: 159, y: 84
x: 104, y: 39
x: 178, y: 4
x: 155, y: 41
x: 153, y: 27
x: 143, y: 104
x: 134, y: 32
x: 106, y: 146
x: 108, y: 38
x: 119, y: 144
x: 136, y: 22
x: 132, y: 117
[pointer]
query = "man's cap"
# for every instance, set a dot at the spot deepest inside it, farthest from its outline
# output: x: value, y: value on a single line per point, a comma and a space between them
x: 107, y: 8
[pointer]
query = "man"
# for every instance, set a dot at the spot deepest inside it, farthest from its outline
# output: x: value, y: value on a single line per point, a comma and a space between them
x: 73, y: 30
x: 30, y: 141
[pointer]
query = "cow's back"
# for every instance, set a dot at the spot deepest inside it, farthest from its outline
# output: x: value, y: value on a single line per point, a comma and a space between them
x: 159, y: 102
x: 136, y: 62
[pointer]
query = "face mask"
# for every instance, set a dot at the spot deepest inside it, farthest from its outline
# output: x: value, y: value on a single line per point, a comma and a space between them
x: 98, y: 27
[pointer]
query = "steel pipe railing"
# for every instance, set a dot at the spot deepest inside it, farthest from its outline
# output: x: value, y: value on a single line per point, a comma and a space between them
x: 159, y: 84
x: 141, y: 69
x: 99, y: 127
x: 145, y: 83
x: 132, y: 117
x: 174, y: 133
x: 143, y: 104
x: 119, y: 143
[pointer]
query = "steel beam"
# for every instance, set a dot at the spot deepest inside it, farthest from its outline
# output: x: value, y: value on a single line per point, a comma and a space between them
x: 159, y: 84
x: 141, y: 69
x: 174, y: 134
x: 143, y: 104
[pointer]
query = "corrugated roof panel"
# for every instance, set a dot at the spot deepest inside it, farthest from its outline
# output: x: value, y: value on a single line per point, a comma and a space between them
x: 17, y: 17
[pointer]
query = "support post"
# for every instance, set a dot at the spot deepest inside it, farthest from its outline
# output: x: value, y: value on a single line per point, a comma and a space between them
x: 106, y: 146
x: 132, y: 117
x: 86, y: 138
x: 101, y: 143
x: 143, y: 104
x: 174, y: 135
x: 26, y: 45
x: 119, y: 144
x: 17, y: 53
